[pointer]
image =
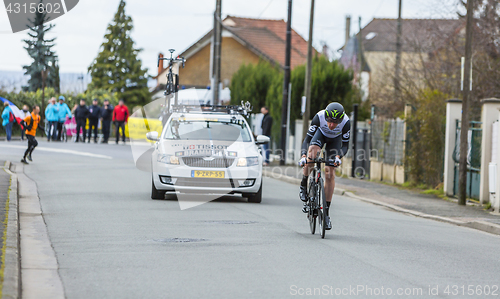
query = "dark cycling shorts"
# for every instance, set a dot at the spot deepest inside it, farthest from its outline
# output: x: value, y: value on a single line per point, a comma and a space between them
x: 332, y: 146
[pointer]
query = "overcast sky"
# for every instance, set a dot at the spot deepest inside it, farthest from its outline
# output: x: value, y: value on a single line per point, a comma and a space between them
x: 161, y: 25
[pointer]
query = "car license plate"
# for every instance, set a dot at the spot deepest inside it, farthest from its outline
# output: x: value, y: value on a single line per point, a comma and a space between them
x: 207, y: 174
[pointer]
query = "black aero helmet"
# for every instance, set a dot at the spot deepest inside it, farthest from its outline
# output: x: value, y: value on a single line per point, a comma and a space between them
x: 334, y: 112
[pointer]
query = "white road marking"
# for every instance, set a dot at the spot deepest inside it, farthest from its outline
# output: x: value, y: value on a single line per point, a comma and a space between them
x: 58, y: 150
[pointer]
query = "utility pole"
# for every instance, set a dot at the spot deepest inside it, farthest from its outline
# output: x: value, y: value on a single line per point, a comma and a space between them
x: 347, y: 29
x: 354, y: 139
x: 467, y: 92
x: 286, y: 82
x: 217, y: 40
x: 305, y: 117
x: 42, y: 108
x: 361, y: 56
x: 397, y: 87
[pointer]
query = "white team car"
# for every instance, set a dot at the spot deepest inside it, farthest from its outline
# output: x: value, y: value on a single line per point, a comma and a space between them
x: 209, y: 153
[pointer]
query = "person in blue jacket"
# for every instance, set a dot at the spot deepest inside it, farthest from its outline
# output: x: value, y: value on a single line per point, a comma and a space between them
x: 7, y: 116
x: 62, y: 113
x: 52, y: 116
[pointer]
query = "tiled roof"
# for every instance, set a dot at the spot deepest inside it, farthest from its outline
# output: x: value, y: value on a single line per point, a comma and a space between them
x: 269, y: 37
x: 417, y: 35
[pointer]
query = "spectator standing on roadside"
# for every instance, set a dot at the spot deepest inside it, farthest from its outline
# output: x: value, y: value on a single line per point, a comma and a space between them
x: 81, y: 115
x: 24, y: 113
x: 8, y: 120
x: 120, y: 118
x: 94, y: 114
x: 106, y: 116
x: 30, y: 124
x: 52, y: 116
x: 267, y: 123
x: 62, y: 113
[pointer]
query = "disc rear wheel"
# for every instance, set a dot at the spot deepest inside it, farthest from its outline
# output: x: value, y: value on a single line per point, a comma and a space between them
x: 322, y: 208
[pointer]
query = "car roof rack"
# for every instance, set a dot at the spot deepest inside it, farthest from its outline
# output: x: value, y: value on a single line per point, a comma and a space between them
x: 244, y: 109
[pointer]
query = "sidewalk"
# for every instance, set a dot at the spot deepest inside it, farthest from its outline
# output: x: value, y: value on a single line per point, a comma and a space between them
x: 9, y: 223
x: 406, y: 201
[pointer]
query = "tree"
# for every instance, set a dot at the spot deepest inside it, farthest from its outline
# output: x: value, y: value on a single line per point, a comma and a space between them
x: 330, y: 83
x: 262, y: 85
x: 426, y: 125
x: 251, y: 83
x: 40, y: 50
x: 117, y: 67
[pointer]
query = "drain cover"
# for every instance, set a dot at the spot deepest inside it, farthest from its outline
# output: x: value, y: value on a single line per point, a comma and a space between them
x: 178, y: 240
x: 230, y: 222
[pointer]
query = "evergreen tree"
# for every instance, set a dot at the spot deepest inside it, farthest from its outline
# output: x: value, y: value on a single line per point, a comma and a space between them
x: 40, y: 50
x: 117, y: 67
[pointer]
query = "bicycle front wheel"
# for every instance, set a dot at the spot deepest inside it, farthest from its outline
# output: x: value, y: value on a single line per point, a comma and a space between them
x: 310, y: 214
x: 322, y: 208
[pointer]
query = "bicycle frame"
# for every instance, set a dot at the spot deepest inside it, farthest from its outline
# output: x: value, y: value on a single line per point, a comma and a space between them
x: 316, y: 198
x: 171, y: 86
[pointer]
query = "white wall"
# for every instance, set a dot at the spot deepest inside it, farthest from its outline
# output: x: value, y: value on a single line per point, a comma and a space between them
x: 453, y: 112
x: 488, y: 116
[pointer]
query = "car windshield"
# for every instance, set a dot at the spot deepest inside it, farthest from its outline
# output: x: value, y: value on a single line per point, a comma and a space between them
x: 235, y: 130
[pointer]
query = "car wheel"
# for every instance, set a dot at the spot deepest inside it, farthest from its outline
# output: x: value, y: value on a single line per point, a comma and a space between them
x: 255, y: 197
x: 155, y: 193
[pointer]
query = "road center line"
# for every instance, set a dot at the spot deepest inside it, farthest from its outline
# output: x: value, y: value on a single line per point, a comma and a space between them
x: 62, y: 151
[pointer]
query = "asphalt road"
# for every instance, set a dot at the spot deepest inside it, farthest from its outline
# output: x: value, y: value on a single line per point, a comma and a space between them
x: 112, y: 241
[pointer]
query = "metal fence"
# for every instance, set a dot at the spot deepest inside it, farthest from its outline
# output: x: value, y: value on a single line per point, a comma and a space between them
x: 474, y: 145
x: 388, y: 138
x: 474, y: 136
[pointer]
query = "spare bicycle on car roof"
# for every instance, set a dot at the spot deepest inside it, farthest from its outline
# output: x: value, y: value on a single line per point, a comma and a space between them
x: 172, y: 86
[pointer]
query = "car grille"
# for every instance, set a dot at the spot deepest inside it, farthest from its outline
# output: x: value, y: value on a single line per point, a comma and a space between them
x: 204, y: 182
x: 218, y: 162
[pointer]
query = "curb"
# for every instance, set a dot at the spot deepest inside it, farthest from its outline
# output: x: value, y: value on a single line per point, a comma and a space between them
x: 485, y: 226
x: 12, y: 269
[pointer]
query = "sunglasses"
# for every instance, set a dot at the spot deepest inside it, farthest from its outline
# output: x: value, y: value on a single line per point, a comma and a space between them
x: 335, y: 121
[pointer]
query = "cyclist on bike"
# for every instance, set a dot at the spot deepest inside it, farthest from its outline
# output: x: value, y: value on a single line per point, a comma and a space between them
x: 330, y: 128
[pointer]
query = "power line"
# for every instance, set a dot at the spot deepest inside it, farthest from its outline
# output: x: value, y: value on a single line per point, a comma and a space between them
x: 267, y: 6
x: 379, y: 6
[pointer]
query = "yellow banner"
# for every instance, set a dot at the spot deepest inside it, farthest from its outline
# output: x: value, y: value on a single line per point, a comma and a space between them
x: 137, y: 128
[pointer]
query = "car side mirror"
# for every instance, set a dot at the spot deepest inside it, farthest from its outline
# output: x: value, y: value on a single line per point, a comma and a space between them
x: 153, y: 136
x: 262, y: 139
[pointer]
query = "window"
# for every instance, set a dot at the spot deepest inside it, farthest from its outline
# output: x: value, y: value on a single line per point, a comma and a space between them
x: 208, y: 130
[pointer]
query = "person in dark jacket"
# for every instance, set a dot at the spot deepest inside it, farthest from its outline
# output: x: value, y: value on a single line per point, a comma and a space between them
x: 94, y: 114
x: 106, y: 116
x: 81, y: 115
x: 267, y: 123
x: 120, y: 118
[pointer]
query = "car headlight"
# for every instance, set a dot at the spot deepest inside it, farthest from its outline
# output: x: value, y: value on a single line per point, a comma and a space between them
x: 168, y: 159
x: 249, y: 161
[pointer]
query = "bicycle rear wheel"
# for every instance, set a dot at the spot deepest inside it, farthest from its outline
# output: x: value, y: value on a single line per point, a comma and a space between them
x: 322, y: 209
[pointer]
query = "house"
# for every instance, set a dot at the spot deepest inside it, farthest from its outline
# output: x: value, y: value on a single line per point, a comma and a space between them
x: 244, y: 41
x: 421, y: 40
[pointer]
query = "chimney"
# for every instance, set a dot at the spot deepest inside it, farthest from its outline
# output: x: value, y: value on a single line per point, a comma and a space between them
x: 160, y: 65
x: 325, y: 50
x: 347, y: 28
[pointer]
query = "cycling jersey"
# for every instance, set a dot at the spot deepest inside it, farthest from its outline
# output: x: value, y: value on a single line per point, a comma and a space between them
x: 320, y: 134
x: 36, y: 121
